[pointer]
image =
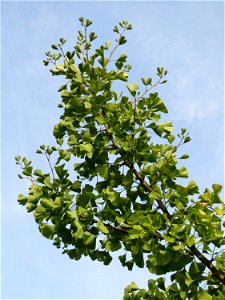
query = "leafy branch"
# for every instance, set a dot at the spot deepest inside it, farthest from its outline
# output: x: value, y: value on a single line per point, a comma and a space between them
x: 125, y: 194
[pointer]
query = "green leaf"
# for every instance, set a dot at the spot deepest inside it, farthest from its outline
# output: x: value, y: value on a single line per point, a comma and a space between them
x: 112, y: 246
x: 22, y: 199
x: 49, y: 150
x: 88, y: 238
x: 75, y: 69
x: 88, y: 22
x: 161, y: 283
x: 132, y: 287
x: 60, y: 171
x: 30, y: 207
x: 38, y: 151
x: 46, y: 62
x: 183, y: 173
x: 88, y: 148
x: 62, y: 87
x: 122, y: 58
x: 196, y: 268
x: 26, y: 162
x: 170, y: 138
x: 116, y: 29
x: 62, y: 40
x: 103, y: 171
x: 204, y: 295
x: 40, y: 209
x: 129, y: 264
x: 121, y: 75
x: 220, y: 210
x: 146, y: 81
x: 128, y: 179
x: 60, y: 67
x: 135, y: 231
x: 184, y: 156
x: 167, y: 126
x: 217, y: 188
x: 55, y: 47
x: 47, y: 203
x: 38, y: 172
x: 160, y: 71
x: 164, y: 81
x: 169, y: 239
x: 64, y: 154
x: 76, y: 186
x: 132, y: 87
x: 18, y: 158
x: 122, y: 40
x: 47, y: 182
x: 192, y: 188
x: 81, y: 19
x: 188, y: 279
x: 92, y: 36
x: 112, y: 196
x: 48, y: 231
x: 28, y: 171
x: 72, y: 214
x: 156, y: 104
x: 107, y: 44
x: 79, y: 232
x: 100, y: 225
x: 57, y: 202
x: 87, y: 105
x: 187, y: 139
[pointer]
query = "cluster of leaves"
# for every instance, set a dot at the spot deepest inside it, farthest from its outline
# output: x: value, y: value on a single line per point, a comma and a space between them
x: 125, y: 194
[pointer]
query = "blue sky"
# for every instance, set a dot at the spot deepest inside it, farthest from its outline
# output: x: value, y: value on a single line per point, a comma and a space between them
x: 184, y: 37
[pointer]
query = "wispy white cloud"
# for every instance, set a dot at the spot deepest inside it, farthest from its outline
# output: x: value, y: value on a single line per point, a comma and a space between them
x: 194, y: 111
x: 195, y: 102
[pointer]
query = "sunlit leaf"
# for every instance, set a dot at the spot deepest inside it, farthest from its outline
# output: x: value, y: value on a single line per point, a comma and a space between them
x: 132, y: 87
x: 47, y: 231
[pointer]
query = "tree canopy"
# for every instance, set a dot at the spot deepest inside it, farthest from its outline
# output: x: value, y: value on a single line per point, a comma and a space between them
x: 114, y: 177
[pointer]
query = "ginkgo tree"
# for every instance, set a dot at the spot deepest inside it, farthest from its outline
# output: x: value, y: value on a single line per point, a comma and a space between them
x: 114, y: 180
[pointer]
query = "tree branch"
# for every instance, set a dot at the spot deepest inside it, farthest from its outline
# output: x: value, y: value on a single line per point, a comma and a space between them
x: 216, y: 273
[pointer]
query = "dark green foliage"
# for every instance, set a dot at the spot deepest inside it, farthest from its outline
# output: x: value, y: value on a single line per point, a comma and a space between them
x: 125, y: 194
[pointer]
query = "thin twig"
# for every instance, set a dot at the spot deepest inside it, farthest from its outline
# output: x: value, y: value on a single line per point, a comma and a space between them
x: 49, y: 162
x: 86, y: 41
x: 116, y: 46
x: 147, y: 90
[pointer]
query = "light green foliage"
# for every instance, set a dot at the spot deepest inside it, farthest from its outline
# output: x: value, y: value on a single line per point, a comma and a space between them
x: 125, y: 195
